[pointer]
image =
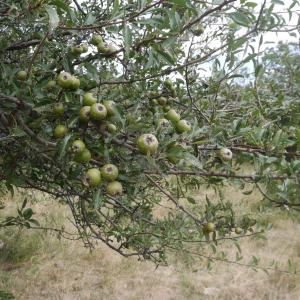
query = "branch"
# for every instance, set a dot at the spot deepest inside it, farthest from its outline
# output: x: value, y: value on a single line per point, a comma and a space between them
x: 253, y: 177
x: 248, y: 149
x: 31, y: 133
x: 197, y: 221
x: 19, y: 102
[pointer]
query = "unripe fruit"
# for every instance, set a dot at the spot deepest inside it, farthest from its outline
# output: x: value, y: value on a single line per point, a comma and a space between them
x: 225, y: 154
x: 110, y: 49
x: 75, y: 83
x: 78, y: 146
x: 183, y: 126
x: 114, y: 188
x: 154, y: 101
x: 102, y: 48
x: 173, y: 116
x: 64, y: 79
x: 22, y: 75
x: 58, y: 109
x: 162, y: 101
x: 89, y: 99
x: 84, y: 113
x: 198, y: 31
x: 166, y: 108
x: 60, y: 131
x: 109, y: 172
x: 110, y: 107
x: 163, y: 123
x: 85, y: 48
x: 92, y: 177
x: 76, y: 50
x: 172, y: 91
x: 50, y: 85
x: 238, y: 230
x: 84, y: 156
x: 96, y: 39
x: 209, y: 227
x: 233, y: 26
x: 147, y: 143
x: 98, y: 111
x: 112, y: 128
x: 168, y: 84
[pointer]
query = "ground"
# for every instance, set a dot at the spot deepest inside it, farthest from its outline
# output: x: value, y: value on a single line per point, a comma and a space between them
x: 38, y: 266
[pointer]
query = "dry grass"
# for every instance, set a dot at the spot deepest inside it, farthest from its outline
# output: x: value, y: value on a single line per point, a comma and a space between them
x: 45, y: 268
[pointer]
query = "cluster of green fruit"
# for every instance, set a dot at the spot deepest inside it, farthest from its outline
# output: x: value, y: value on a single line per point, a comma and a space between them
x: 210, y: 227
x: 79, y: 49
x: 101, y: 46
x: 91, y: 109
x: 95, y: 111
x: 68, y: 81
x: 93, y: 177
x: 171, y: 115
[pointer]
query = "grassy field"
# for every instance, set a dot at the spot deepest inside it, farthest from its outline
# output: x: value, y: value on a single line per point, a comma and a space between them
x: 38, y: 266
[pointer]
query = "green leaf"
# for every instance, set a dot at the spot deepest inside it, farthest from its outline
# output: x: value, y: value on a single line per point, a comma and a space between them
x: 178, y: 2
x: 53, y: 16
x: 61, y: 4
x: 63, y: 146
x: 27, y: 213
x: 35, y: 222
x: 97, y: 199
x: 258, y: 70
x: 24, y: 204
x: 191, y: 200
x: 127, y: 35
x: 240, y: 18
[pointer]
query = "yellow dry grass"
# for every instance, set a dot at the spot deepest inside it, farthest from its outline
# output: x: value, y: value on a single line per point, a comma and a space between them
x: 65, y: 270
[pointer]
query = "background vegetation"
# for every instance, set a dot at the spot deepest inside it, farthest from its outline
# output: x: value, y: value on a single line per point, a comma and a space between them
x: 166, y: 130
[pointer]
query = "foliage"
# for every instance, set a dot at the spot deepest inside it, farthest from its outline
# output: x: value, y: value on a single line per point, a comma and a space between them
x: 134, y: 53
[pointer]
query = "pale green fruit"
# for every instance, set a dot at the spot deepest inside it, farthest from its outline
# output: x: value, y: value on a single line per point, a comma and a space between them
x: 84, y: 113
x: 172, y: 115
x: 76, y: 50
x: 65, y: 80
x: 225, y: 154
x: 84, y: 156
x: 110, y: 107
x: 209, y: 227
x: 147, y: 143
x: 109, y: 172
x: 85, y: 48
x: 112, y: 128
x: 183, y: 126
x: 162, y: 101
x: 111, y: 49
x: 163, y: 123
x: 114, y: 188
x: 98, y: 112
x: 238, y: 230
x: 58, y: 109
x: 50, y: 85
x: 102, y: 48
x: 96, y: 39
x: 75, y: 83
x: 22, y: 75
x: 168, y: 84
x: 89, y: 99
x: 78, y: 146
x: 92, y: 177
x: 60, y: 131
